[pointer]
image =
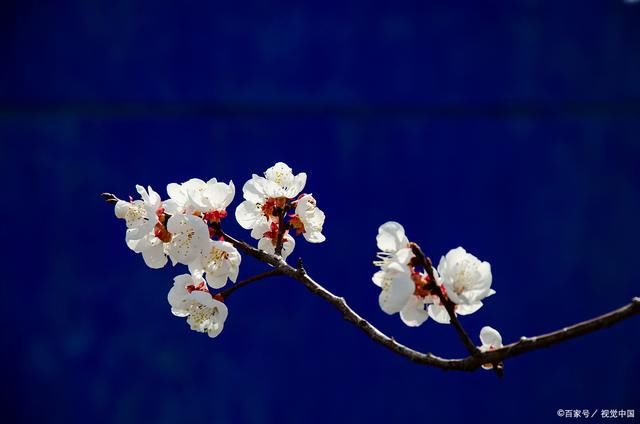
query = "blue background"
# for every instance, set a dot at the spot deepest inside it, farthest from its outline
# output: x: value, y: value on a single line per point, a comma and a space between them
x: 510, y: 128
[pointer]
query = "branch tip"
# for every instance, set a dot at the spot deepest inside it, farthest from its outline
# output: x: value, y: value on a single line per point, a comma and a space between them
x: 109, y: 198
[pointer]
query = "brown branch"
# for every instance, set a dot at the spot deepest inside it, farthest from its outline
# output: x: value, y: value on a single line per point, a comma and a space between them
x: 470, y: 363
x: 425, y: 262
x: 527, y: 344
x: 226, y: 293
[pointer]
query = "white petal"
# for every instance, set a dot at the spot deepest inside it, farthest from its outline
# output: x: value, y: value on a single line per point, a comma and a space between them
x: 121, y: 208
x: 464, y: 309
x: 287, y: 246
x: 265, y: 244
x: 262, y: 226
x: 414, y: 313
x: 314, y: 237
x: 297, y: 186
x: 391, y: 237
x: 379, y: 277
x: 439, y: 314
x: 173, y: 207
x: 253, y: 190
x: 178, y: 293
x: 177, y: 193
x: 190, y: 235
x: 490, y: 337
x: 154, y: 256
x: 394, y: 297
x: 248, y: 214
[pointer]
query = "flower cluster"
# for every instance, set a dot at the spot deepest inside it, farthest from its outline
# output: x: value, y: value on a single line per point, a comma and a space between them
x: 460, y: 278
x: 267, y: 206
x: 186, y: 229
x: 181, y: 229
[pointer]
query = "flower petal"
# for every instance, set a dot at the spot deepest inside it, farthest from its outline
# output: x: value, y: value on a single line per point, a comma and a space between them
x: 395, y: 296
x: 415, y: 312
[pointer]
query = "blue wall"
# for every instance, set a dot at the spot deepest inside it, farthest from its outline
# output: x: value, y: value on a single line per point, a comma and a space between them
x: 510, y: 128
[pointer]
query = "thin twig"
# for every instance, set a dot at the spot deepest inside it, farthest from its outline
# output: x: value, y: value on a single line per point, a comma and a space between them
x: 226, y: 293
x: 109, y: 198
x: 425, y: 262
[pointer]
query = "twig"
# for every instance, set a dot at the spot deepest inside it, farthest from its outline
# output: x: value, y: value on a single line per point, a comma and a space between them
x: 109, y: 198
x: 282, y: 228
x: 226, y: 293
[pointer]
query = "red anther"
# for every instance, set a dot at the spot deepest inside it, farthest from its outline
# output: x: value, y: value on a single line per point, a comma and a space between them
x: 221, y: 238
x: 161, y: 232
x: 296, y: 224
x: 200, y: 287
x: 273, y: 232
x: 268, y: 206
x: 215, y: 216
x: 420, y: 281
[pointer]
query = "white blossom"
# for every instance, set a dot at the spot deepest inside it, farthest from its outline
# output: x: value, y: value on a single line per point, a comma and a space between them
x: 250, y: 212
x: 312, y: 219
x: 467, y: 280
x: 491, y: 340
x: 196, y: 195
x: 394, y: 277
x: 189, y: 236
x: 261, y: 194
x: 204, y: 313
x: 220, y: 261
x: 285, y: 184
x: 140, y: 218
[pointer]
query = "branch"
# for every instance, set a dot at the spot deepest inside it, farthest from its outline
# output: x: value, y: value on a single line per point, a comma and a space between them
x: 470, y: 363
x: 425, y: 262
x: 526, y: 344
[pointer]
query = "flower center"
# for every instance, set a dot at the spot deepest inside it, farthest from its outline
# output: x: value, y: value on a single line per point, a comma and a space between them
x: 463, y: 277
x: 216, y: 255
x: 135, y: 214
